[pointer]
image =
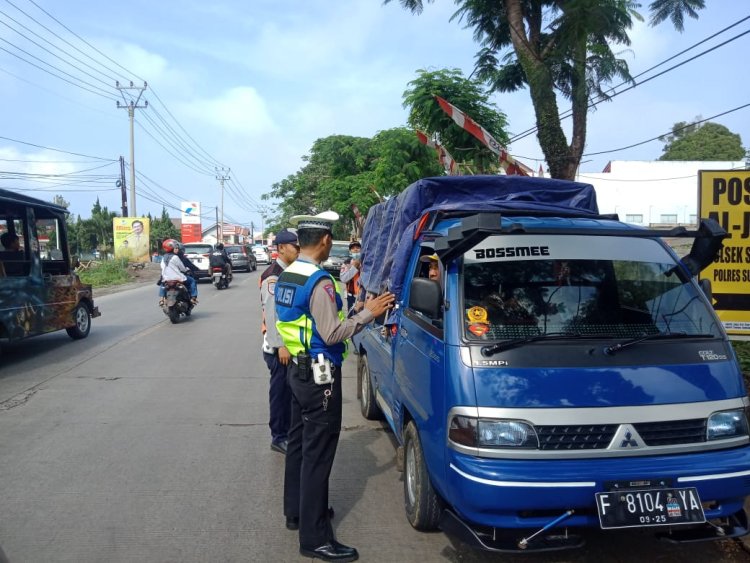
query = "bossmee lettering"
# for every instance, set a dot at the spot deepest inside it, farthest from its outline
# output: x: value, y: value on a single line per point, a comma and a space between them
x: 511, y: 252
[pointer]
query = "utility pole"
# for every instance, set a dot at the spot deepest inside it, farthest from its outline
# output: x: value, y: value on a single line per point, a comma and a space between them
x: 216, y: 209
x: 131, y: 107
x: 123, y: 188
x: 222, y: 175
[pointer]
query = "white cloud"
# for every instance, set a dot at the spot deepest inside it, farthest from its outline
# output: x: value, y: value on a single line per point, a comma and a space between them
x: 237, y: 111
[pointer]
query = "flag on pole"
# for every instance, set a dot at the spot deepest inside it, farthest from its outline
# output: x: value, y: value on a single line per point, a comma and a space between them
x: 449, y: 164
x: 510, y: 164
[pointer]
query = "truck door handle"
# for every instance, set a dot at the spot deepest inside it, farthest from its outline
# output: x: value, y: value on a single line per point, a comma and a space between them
x: 403, y: 332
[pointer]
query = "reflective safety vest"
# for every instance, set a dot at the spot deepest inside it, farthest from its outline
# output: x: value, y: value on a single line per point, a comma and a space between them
x: 293, y: 319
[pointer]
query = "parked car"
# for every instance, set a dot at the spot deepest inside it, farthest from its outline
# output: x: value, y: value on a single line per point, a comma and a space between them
x: 198, y: 253
x: 339, y: 253
x: 242, y: 257
x: 262, y: 254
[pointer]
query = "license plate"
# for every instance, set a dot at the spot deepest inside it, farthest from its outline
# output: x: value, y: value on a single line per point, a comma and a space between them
x: 650, y: 507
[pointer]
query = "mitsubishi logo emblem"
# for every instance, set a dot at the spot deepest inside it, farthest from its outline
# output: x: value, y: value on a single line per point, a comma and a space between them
x: 627, y: 438
x: 628, y: 441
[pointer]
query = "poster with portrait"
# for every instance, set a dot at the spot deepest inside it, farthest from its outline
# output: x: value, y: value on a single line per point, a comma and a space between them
x: 131, y: 236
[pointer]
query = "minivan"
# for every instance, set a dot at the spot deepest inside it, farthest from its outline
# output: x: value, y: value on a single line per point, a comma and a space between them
x: 39, y: 290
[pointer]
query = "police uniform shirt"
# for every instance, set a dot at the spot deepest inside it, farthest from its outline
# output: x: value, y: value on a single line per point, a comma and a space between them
x: 323, y: 309
x: 271, y: 338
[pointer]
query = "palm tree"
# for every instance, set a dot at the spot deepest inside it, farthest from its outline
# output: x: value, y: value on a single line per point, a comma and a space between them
x: 557, y: 46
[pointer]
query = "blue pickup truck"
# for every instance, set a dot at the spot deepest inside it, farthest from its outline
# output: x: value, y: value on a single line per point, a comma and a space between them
x: 565, y: 370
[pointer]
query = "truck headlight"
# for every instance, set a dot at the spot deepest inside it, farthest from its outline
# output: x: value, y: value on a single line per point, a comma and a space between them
x: 726, y: 424
x: 487, y: 433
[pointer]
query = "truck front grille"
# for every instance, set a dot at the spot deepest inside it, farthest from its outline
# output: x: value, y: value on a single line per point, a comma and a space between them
x: 672, y: 432
x: 576, y: 437
x: 599, y: 436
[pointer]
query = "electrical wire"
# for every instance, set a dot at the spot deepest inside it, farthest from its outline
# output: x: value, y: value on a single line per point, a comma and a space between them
x: 57, y: 150
x: 569, y: 113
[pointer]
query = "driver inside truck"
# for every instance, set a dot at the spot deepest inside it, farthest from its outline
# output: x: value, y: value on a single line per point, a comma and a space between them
x: 433, y: 268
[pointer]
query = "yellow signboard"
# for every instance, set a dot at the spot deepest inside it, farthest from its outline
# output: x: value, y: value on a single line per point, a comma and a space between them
x: 724, y: 195
x: 131, y: 238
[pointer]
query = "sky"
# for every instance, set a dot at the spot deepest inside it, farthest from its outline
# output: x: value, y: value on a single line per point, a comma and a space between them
x: 249, y: 86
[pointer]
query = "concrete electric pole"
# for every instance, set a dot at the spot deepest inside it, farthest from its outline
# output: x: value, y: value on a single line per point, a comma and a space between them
x: 131, y: 107
x: 222, y: 175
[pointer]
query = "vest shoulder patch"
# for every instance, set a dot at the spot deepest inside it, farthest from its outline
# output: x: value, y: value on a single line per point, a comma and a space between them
x: 330, y: 291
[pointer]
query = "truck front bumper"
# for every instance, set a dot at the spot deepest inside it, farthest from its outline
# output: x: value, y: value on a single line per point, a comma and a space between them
x: 529, y: 494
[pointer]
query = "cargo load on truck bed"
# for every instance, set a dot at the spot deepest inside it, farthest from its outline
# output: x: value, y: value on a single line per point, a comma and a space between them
x: 390, y: 226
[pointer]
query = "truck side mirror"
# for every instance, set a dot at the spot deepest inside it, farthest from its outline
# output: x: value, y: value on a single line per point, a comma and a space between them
x: 705, y: 284
x: 707, y: 244
x: 426, y: 296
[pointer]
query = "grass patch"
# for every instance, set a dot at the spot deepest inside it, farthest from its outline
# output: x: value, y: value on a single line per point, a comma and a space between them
x: 111, y: 272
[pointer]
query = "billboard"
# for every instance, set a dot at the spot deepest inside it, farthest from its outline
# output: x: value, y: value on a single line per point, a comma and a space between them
x: 131, y: 236
x: 724, y: 195
x: 190, y: 230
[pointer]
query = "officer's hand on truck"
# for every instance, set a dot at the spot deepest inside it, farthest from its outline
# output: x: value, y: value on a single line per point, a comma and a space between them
x: 380, y: 304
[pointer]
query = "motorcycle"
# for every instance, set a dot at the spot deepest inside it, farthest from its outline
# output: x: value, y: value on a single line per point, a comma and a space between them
x: 177, y: 301
x: 219, y: 277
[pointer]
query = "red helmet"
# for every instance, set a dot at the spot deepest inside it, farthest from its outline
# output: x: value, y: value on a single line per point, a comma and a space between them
x: 170, y: 245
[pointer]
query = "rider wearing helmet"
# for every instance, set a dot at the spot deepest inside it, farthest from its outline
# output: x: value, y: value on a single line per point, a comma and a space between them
x: 220, y: 259
x: 173, y: 269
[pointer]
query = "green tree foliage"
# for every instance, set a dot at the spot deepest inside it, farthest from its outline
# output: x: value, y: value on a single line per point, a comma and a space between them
x: 469, y: 96
x: 95, y: 233
x: 557, y: 47
x: 343, y: 170
x: 707, y: 141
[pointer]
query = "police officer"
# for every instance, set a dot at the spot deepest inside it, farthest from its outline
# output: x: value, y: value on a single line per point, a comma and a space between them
x: 312, y: 324
x: 275, y: 354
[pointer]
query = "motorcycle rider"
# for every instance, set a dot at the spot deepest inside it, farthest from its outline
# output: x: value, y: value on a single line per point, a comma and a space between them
x: 173, y: 269
x: 220, y: 259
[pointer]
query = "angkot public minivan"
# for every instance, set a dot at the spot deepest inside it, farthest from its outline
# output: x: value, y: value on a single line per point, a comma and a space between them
x: 39, y: 291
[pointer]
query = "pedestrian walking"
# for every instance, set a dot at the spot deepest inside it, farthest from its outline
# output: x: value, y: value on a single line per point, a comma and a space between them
x: 313, y: 326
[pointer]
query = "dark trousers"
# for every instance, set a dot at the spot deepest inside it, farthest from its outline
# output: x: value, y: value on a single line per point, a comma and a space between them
x: 313, y: 437
x: 279, y: 398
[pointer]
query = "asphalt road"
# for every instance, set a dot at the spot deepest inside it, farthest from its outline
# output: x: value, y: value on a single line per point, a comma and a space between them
x: 149, y: 442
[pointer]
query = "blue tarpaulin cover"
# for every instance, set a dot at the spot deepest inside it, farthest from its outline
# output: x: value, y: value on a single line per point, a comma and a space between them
x: 388, y: 234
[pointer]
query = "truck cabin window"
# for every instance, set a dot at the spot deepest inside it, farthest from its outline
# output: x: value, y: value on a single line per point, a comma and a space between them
x: 566, y: 291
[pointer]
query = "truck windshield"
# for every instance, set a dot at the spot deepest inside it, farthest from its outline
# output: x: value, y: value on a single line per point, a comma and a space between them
x: 527, y: 285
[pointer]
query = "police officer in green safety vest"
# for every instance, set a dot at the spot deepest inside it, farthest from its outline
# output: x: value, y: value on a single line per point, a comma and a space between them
x: 312, y: 323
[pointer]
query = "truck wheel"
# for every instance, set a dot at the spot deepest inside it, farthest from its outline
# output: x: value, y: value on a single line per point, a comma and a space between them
x: 367, y: 403
x: 422, y: 503
x: 82, y: 319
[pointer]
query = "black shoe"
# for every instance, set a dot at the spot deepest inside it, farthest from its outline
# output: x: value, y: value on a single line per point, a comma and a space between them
x: 279, y: 446
x: 292, y: 522
x: 331, y: 551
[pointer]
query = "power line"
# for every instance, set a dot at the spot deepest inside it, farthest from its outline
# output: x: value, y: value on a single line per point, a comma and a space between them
x: 51, y: 53
x: 673, y: 131
x: 99, y: 93
x: 658, y: 136
x: 56, y: 150
x: 568, y: 113
x: 78, y: 37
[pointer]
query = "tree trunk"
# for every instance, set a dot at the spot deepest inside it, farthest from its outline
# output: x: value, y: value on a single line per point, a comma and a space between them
x: 562, y: 161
